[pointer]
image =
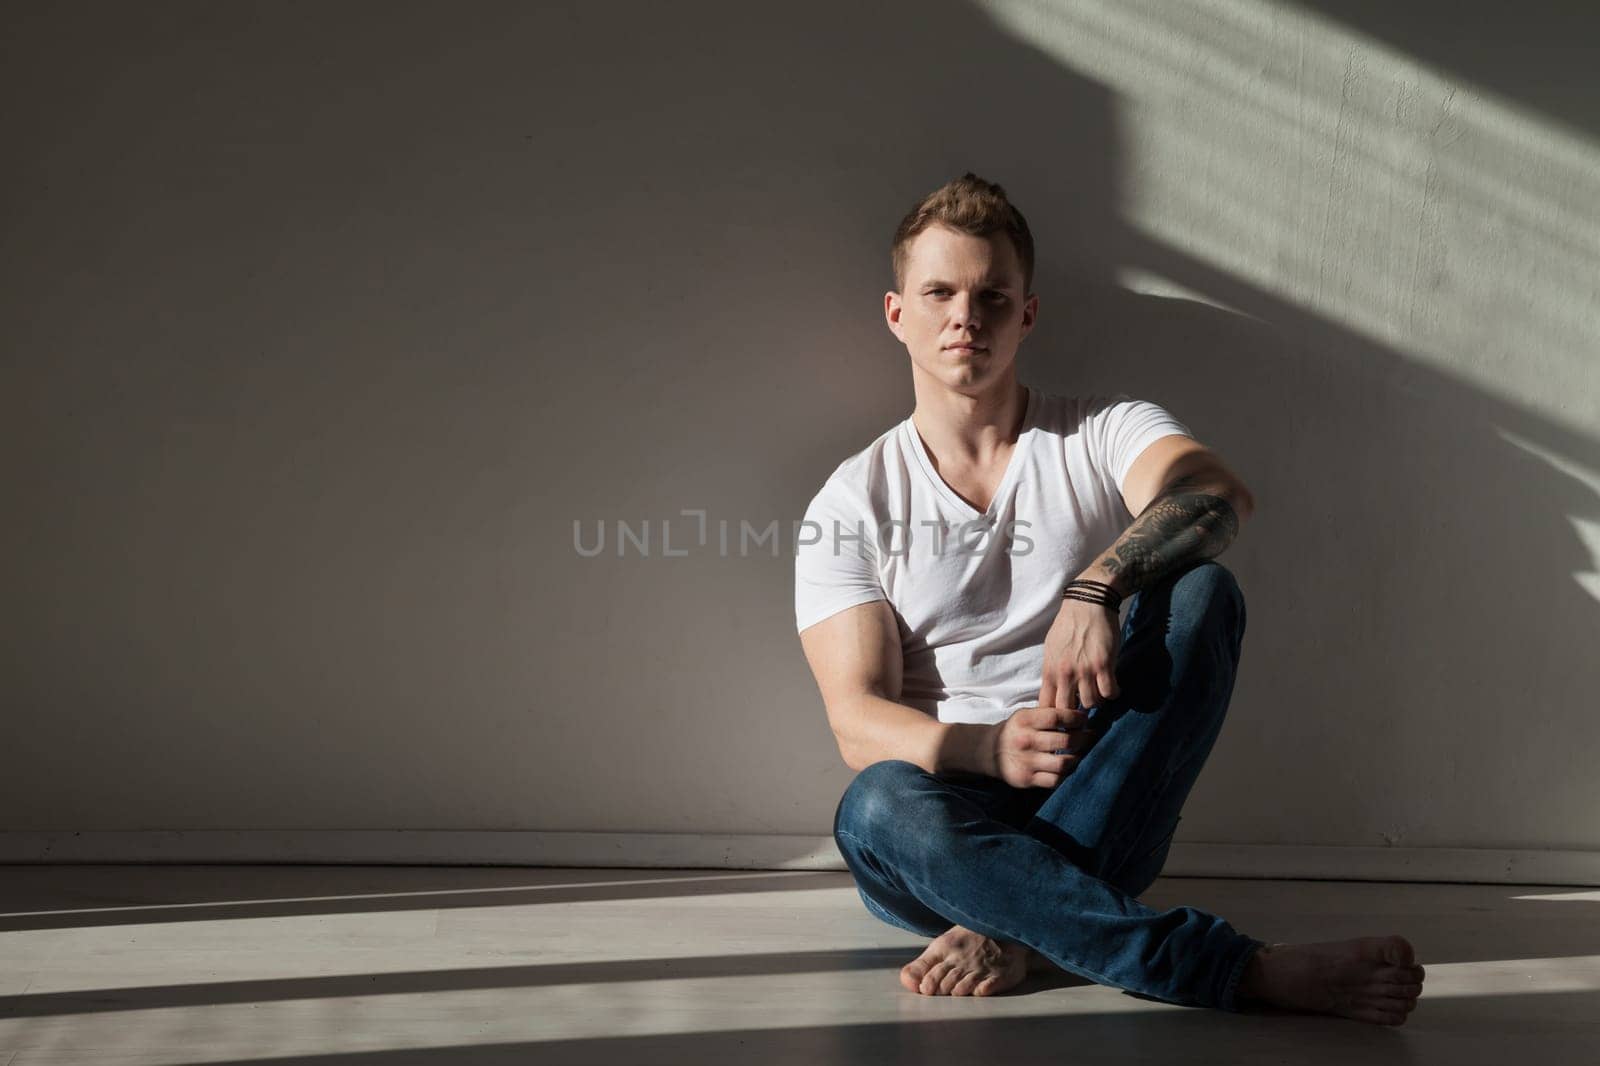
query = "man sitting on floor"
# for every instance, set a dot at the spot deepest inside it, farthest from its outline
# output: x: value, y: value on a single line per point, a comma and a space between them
x: 1023, y: 759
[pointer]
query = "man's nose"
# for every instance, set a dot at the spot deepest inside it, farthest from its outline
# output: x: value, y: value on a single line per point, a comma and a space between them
x: 963, y: 311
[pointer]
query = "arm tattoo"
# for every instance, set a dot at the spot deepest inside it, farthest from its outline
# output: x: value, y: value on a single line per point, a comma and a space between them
x: 1179, y: 527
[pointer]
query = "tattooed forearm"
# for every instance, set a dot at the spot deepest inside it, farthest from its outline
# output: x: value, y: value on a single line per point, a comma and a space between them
x: 1185, y: 524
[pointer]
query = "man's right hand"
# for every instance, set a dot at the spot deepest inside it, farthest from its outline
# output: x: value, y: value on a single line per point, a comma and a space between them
x: 1021, y: 746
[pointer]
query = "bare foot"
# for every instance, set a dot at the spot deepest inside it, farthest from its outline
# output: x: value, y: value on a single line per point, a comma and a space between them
x: 960, y: 962
x: 1371, y: 979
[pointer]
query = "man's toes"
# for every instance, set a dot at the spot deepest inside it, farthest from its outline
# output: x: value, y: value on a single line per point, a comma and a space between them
x: 1394, y: 1007
x: 1380, y: 1015
x: 986, y: 986
x: 1397, y: 951
x: 1397, y: 980
x: 1401, y: 989
x: 952, y: 977
x: 911, y: 974
x: 931, y: 980
x: 965, y: 986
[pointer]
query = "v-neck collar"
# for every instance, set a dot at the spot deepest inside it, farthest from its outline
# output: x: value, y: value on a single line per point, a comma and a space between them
x: 1013, y: 465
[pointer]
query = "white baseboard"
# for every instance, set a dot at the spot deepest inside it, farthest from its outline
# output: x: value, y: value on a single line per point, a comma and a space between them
x: 427, y: 847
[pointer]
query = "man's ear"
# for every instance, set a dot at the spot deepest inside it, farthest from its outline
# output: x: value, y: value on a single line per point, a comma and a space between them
x: 891, y: 311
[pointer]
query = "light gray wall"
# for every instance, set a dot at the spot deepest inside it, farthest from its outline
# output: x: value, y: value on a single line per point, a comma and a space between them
x: 323, y: 324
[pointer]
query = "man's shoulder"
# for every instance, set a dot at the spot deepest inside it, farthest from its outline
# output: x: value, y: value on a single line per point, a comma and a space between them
x: 1071, y: 406
x: 859, y: 471
x: 1069, y: 413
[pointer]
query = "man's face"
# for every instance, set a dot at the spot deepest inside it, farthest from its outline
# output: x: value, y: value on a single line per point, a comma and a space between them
x: 961, y: 290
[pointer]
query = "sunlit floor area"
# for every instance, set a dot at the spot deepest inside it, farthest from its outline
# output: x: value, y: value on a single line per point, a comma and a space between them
x: 476, y: 965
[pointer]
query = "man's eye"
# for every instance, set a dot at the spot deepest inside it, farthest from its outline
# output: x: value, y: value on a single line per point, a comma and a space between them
x: 996, y: 296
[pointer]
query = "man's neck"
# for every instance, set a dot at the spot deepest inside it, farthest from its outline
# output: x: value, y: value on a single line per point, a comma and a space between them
x: 969, y: 430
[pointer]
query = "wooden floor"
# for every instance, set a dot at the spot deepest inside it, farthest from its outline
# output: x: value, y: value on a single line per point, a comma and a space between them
x: 476, y: 965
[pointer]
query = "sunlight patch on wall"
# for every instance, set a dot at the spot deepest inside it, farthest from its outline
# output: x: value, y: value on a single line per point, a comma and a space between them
x: 1586, y: 530
x: 1331, y: 171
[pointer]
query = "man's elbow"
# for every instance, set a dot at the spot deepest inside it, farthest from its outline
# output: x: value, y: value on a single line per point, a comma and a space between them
x: 1238, y: 497
x: 1217, y: 481
x: 1242, y: 502
x: 846, y: 721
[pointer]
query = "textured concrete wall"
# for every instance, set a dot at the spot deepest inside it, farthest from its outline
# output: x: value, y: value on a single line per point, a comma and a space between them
x: 323, y: 325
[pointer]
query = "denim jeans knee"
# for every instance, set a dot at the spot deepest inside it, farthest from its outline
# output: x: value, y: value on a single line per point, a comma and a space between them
x: 1209, y: 586
x: 872, y: 801
x: 874, y: 808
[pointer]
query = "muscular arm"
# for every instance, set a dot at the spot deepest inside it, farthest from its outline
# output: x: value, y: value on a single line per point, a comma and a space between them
x: 856, y: 658
x: 1194, y: 518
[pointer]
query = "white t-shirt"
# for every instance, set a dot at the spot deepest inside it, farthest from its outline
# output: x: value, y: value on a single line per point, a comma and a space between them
x: 974, y: 594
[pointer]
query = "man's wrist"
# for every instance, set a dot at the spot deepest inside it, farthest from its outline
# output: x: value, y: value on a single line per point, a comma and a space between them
x: 968, y: 747
x: 1098, y: 572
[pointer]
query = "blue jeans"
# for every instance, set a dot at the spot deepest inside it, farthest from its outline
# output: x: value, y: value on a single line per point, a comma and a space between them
x: 1058, y: 869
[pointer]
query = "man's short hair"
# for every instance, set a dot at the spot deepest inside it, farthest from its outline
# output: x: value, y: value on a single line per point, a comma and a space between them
x: 969, y: 205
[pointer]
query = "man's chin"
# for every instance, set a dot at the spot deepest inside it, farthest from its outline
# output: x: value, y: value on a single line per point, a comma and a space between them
x: 970, y: 375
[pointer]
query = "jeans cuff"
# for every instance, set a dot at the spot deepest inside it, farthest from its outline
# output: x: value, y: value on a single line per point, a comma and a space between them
x: 1229, y: 999
x: 883, y: 914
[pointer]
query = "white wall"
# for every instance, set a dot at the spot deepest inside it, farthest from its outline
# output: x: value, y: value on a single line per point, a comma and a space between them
x: 323, y: 324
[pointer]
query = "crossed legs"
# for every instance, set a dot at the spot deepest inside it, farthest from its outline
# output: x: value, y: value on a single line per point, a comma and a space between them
x: 1058, y: 870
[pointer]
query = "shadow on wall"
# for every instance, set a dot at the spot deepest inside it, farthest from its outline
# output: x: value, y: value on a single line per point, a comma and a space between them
x: 322, y: 363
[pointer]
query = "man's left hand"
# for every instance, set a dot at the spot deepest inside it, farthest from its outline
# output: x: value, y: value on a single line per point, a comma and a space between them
x: 1080, y: 656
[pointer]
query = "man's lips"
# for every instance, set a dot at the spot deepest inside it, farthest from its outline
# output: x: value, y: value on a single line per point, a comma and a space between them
x: 965, y: 348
